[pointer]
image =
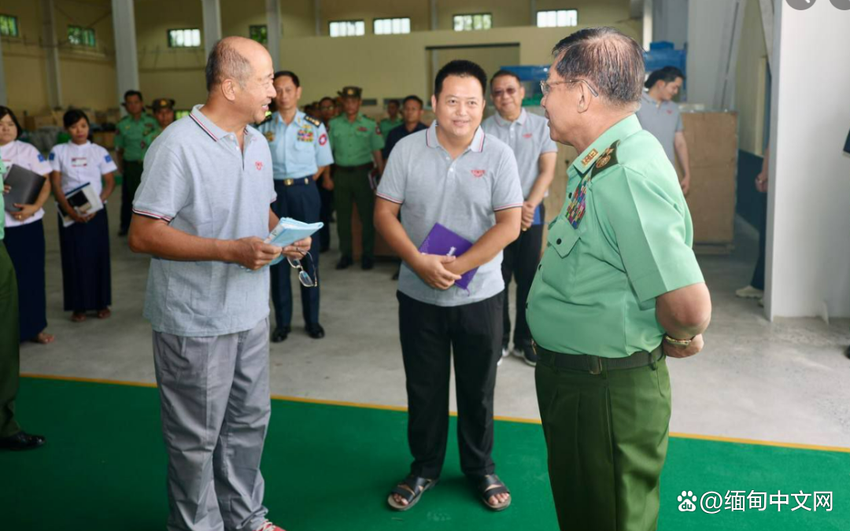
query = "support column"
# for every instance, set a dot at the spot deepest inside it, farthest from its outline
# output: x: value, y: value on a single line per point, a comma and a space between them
x: 532, y: 15
x: 435, y: 22
x: 429, y: 83
x: 51, y: 50
x: 126, y: 58
x: 212, y: 24
x: 648, y: 21
x: 273, y: 30
x: 4, y: 95
x: 808, y: 252
x: 317, y: 15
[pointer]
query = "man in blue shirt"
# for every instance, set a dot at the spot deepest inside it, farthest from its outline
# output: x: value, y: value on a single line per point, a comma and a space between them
x: 300, y: 154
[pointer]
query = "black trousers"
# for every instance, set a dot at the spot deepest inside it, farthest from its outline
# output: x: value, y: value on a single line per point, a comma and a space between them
x: 758, y: 274
x: 519, y: 261
x: 299, y: 202
x: 130, y: 181
x: 326, y: 214
x: 429, y: 336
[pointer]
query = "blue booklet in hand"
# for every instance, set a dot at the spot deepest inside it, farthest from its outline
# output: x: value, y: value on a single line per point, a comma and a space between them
x: 445, y: 242
x: 289, y: 231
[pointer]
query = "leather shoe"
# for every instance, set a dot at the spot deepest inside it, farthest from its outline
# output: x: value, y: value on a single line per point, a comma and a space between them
x: 344, y: 262
x: 315, y: 331
x: 21, y: 441
x: 281, y: 333
x: 368, y: 263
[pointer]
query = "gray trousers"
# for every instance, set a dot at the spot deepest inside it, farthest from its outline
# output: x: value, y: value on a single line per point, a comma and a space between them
x: 215, y: 407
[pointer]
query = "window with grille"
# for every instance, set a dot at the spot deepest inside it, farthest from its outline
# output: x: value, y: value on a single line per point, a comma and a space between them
x: 473, y: 22
x: 79, y: 36
x: 9, y: 26
x: 557, y: 18
x: 184, y: 38
x: 391, y: 26
x: 347, y: 28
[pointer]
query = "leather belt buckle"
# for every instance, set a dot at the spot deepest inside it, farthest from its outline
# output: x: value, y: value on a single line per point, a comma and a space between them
x: 595, y: 363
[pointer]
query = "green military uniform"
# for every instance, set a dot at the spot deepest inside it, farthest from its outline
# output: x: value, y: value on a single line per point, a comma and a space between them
x: 9, y: 329
x: 388, y: 125
x: 132, y: 137
x: 158, y: 104
x: 623, y: 238
x: 353, y: 144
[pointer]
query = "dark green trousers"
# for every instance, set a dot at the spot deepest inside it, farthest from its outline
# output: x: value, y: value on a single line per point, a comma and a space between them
x: 352, y: 186
x: 130, y: 181
x: 10, y: 345
x: 607, y: 436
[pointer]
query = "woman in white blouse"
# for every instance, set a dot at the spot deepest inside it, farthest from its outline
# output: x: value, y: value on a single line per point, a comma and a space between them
x: 86, y: 276
x: 25, y: 231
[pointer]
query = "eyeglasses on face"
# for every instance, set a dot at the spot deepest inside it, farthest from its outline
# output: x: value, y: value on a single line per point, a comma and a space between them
x: 546, y: 86
x: 510, y: 91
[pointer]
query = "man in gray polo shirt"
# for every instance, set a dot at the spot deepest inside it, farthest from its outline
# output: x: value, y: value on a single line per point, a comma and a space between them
x: 455, y: 175
x: 536, y: 153
x: 660, y: 115
x: 202, y: 211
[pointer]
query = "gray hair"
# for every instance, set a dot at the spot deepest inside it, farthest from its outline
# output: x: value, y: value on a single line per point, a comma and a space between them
x: 611, y: 61
x: 225, y: 62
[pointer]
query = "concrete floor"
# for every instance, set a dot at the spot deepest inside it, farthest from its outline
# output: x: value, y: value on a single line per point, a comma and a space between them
x: 783, y: 381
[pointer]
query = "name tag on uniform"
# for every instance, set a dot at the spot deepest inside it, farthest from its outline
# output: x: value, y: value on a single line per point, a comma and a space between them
x: 79, y: 162
x: 363, y: 129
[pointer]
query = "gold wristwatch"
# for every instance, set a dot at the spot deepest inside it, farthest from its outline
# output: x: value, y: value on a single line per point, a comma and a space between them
x: 684, y: 343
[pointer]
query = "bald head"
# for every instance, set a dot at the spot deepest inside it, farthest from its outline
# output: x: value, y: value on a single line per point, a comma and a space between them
x: 611, y: 61
x: 235, y: 58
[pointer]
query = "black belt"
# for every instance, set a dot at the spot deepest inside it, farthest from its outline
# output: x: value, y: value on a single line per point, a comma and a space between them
x: 368, y: 166
x: 595, y: 364
x: 301, y: 181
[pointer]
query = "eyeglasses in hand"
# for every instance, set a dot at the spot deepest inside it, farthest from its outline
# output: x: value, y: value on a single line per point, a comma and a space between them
x: 307, y: 279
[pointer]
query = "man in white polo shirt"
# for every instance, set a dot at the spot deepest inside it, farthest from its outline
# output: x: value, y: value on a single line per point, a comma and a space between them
x: 455, y: 175
x: 202, y: 211
x: 527, y: 135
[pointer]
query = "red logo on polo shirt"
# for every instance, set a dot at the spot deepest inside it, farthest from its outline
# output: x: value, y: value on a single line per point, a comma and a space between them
x: 259, y: 165
x: 478, y: 173
x: 323, y: 140
x: 527, y: 135
x: 669, y: 111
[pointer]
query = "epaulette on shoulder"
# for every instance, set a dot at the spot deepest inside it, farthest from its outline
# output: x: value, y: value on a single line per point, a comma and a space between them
x: 607, y: 159
x: 314, y: 121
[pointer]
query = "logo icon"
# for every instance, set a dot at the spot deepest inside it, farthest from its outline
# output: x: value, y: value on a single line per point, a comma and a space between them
x: 687, y: 502
x: 323, y: 139
x: 259, y: 165
x: 801, y: 5
x: 478, y: 173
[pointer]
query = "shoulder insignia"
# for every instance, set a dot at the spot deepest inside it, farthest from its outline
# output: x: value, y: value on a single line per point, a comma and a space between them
x: 313, y: 121
x: 606, y: 159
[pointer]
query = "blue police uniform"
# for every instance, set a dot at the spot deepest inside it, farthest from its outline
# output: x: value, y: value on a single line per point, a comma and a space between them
x: 298, y: 150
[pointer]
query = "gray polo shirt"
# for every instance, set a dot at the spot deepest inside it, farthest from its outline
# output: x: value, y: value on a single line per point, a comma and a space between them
x: 528, y: 137
x: 198, y: 180
x: 463, y: 195
x: 663, y: 120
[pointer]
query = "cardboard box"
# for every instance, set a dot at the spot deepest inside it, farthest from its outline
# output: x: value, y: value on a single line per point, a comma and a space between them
x: 34, y: 123
x: 105, y: 139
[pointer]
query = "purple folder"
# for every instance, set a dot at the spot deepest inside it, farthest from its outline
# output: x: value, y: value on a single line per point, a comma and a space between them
x: 445, y: 242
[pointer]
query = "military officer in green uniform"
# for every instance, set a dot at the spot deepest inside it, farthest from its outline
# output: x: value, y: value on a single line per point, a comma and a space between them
x: 163, y: 112
x: 356, y: 142
x: 393, y: 118
x: 130, y: 149
x: 617, y: 292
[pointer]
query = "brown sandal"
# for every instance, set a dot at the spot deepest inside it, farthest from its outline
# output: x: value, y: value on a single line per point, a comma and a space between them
x: 411, y: 489
x: 78, y: 317
x: 104, y: 313
x: 43, y: 338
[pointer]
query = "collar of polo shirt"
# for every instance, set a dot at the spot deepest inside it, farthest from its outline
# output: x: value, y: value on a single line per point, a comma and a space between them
x: 523, y: 115
x: 477, y: 144
x: 213, y: 131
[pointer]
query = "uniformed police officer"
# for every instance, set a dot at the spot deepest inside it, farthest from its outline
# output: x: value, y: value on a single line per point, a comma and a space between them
x: 618, y: 290
x: 300, y: 154
x: 130, y: 149
x: 357, y: 143
x: 392, y: 120
x: 163, y: 111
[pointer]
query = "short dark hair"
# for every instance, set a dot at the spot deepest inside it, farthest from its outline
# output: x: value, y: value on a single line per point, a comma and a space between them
x: 666, y: 74
x: 327, y: 98
x: 290, y: 75
x: 4, y: 112
x: 133, y: 93
x: 460, y: 68
x: 73, y: 116
x: 397, y: 103
x: 611, y: 61
x: 223, y: 62
x: 415, y: 98
x: 503, y: 73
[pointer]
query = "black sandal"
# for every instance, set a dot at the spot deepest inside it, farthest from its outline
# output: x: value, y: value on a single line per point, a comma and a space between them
x: 489, y: 486
x: 411, y: 489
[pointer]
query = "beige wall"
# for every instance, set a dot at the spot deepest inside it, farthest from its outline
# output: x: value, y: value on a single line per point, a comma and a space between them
x: 751, y: 80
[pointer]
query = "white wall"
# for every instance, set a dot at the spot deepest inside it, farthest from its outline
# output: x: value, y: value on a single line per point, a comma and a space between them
x: 808, y: 270
x: 710, y: 25
x: 670, y: 21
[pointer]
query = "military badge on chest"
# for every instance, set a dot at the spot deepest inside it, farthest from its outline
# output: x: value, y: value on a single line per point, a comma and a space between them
x: 269, y: 136
x: 305, y: 135
x: 578, y: 204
